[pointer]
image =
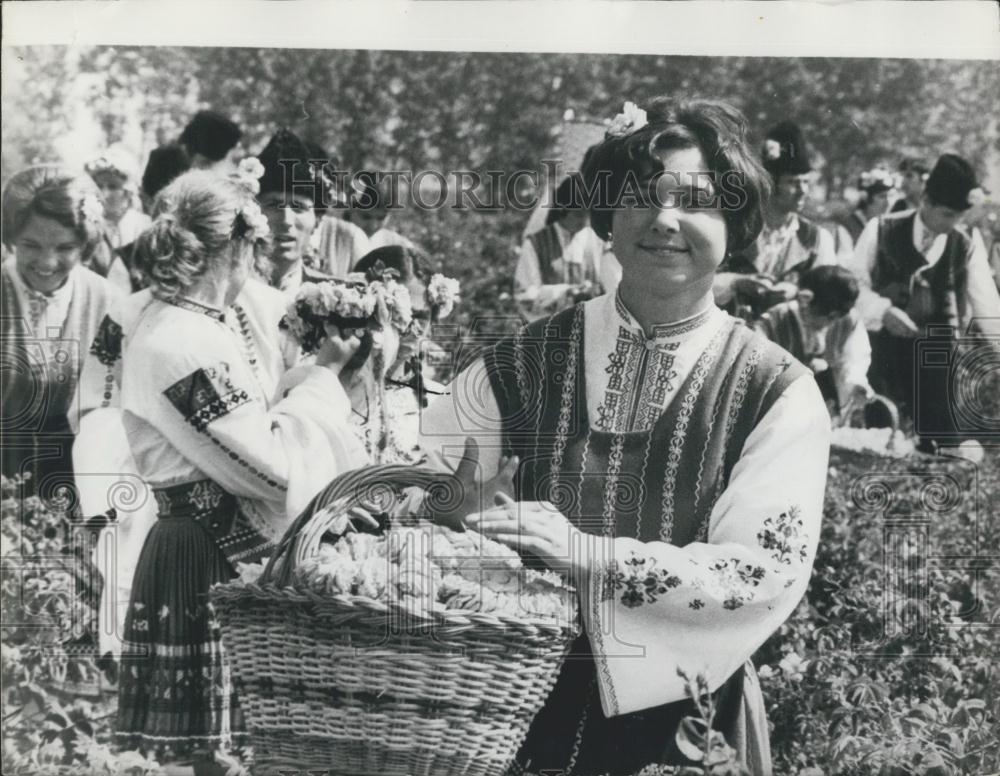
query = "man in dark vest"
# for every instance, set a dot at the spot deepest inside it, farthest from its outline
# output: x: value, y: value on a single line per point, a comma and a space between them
x: 548, y: 274
x: 789, y: 245
x: 925, y: 285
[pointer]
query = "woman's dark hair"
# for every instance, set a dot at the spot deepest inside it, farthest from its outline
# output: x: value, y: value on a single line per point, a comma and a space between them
x: 408, y: 263
x: 569, y: 196
x: 717, y: 129
x: 53, y: 191
x: 834, y: 289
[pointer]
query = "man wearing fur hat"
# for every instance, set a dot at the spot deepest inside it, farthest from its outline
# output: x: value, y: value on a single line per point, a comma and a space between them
x: 790, y: 244
x: 293, y: 195
x: 919, y: 269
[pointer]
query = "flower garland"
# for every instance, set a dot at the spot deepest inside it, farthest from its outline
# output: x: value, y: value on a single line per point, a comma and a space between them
x: 354, y: 303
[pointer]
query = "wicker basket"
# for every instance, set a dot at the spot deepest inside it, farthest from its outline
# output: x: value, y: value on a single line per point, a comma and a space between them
x: 351, y: 685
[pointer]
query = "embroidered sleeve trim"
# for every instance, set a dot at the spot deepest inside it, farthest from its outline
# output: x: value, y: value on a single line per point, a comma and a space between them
x: 107, y: 345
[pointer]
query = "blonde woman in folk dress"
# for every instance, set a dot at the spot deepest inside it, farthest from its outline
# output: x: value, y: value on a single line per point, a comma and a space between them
x: 672, y: 461
x: 226, y: 469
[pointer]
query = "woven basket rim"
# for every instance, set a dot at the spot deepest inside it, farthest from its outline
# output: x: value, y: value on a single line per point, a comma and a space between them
x: 363, y: 605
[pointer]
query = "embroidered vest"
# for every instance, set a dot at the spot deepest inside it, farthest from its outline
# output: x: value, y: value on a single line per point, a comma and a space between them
x: 38, y: 383
x: 549, y: 250
x: 939, y: 295
x: 656, y: 485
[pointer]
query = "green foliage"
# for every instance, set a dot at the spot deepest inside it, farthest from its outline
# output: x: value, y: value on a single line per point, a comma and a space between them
x: 57, y: 705
x: 889, y: 665
x: 410, y: 110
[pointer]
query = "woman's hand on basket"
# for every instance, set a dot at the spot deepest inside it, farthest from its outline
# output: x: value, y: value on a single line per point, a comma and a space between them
x: 536, y: 527
x: 462, y: 494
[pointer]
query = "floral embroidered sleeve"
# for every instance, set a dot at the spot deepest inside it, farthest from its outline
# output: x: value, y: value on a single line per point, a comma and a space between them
x: 652, y: 607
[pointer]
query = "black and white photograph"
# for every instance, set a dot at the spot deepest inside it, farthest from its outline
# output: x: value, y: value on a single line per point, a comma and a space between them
x: 500, y: 388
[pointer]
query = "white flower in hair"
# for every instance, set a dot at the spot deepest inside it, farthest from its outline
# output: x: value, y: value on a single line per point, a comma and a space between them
x: 876, y: 176
x: 976, y: 197
x: 251, y: 167
x: 772, y: 149
x: 442, y: 293
x: 255, y: 221
x: 250, y: 172
x: 631, y: 119
x: 92, y: 208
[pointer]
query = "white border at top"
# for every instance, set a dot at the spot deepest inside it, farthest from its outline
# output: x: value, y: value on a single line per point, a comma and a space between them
x: 966, y: 29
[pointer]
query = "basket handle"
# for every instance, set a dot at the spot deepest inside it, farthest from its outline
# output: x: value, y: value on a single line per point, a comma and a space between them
x: 359, y: 487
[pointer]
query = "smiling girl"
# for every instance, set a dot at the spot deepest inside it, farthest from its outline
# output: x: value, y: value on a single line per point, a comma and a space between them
x: 52, y: 223
x: 671, y: 461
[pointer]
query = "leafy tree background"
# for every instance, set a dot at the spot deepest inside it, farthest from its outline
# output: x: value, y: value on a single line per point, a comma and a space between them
x: 408, y: 110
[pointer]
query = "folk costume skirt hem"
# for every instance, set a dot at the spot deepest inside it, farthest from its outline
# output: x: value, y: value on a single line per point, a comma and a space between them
x: 175, y: 698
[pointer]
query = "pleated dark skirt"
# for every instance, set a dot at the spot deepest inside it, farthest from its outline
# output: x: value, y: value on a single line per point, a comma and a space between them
x: 175, y: 699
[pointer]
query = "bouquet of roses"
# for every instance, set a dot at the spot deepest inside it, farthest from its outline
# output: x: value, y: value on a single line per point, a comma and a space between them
x: 358, y: 303
x: 347, y: 305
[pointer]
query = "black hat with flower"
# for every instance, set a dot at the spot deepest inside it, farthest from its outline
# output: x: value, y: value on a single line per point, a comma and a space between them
x: 292, y: 168
x: 785, y: 151
x: 952, y: 183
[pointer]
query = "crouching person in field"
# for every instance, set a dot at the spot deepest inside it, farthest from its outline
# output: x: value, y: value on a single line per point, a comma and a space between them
x: 821, y: 329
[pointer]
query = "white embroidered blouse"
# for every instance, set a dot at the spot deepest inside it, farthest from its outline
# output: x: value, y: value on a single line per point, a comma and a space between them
x: 196, y: 406
x: 653, y: 607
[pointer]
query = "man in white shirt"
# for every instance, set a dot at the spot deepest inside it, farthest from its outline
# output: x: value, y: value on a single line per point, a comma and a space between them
x: 789, y: 245
x: 921, y: 274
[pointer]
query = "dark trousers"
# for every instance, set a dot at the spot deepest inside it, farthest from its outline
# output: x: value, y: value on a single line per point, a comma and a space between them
x: 916, y: 373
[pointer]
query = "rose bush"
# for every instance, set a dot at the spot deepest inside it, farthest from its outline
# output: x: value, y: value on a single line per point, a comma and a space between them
x: 58, y: 703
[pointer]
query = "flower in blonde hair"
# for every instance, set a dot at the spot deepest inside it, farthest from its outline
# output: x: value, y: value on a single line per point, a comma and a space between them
x: 250, y: 172
x: 254, y: 221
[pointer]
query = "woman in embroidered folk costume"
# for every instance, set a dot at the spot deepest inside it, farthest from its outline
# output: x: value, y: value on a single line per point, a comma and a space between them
x: 106, y: 473
x: 671, y: 460
x: 227, y: 470
x: 51, y: 303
